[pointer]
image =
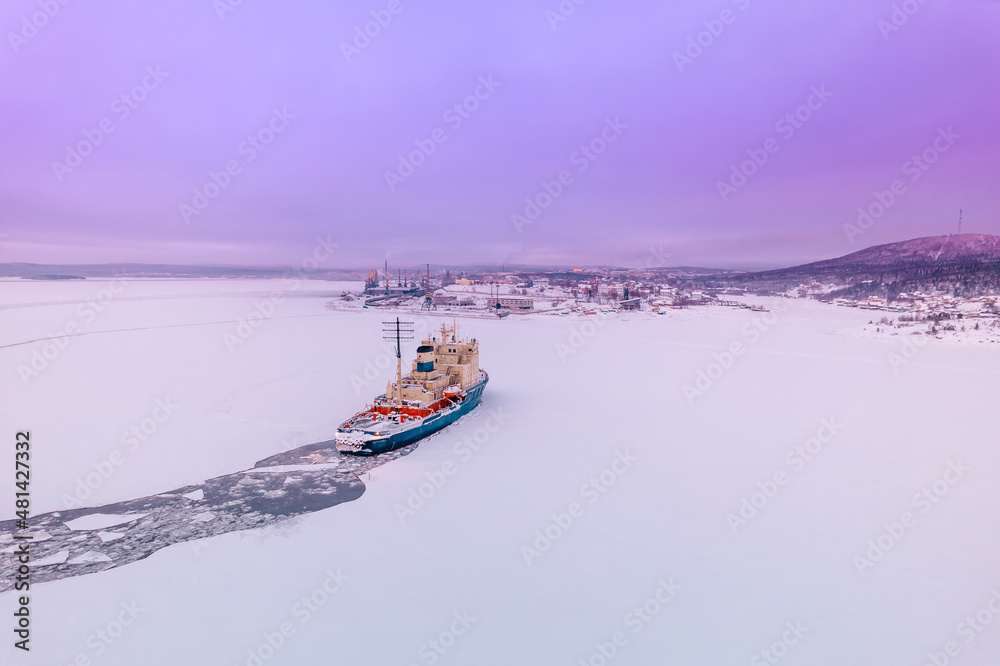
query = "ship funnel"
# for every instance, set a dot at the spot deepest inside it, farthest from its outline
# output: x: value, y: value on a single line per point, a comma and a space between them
x: 425, y: 358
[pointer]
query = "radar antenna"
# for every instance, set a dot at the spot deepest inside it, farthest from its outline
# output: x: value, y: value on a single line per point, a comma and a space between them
x: 398, y: 331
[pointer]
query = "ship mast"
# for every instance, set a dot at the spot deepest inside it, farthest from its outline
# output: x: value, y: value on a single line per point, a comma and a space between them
x: 397, y: 331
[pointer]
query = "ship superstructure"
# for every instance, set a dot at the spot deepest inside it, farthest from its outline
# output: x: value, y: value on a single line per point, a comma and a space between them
x: 444, y: 382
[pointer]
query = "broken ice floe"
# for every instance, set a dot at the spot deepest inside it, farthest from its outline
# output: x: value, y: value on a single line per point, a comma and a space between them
x: 90, y: 556
x: 279, y: 488
x: 96, y: 521
x: 58, y: 558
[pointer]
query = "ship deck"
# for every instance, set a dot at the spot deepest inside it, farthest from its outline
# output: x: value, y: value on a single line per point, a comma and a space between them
x: 383, y: 419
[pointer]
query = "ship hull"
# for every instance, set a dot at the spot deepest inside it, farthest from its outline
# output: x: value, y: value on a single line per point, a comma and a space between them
x: 429, y: 426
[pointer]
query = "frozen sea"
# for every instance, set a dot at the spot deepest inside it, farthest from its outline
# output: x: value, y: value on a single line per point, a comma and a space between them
x: 710, y: 486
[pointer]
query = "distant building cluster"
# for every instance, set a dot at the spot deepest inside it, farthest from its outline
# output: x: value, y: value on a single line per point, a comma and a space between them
x: 503, y: 293
x: 516, y: 304
x: 937, y: 305
x: 656, y: 291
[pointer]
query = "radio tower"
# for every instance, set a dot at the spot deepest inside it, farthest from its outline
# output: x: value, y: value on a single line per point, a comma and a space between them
x: 959, y: 222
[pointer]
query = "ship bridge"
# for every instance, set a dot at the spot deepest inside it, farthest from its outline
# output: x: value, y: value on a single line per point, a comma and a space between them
x: 445, y: 364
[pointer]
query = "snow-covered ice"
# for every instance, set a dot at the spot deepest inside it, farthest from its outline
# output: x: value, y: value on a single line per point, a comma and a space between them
x: 590, y: 495
x: 90, y: 556
x: 110, y: 536
x: 58, y: 558
x: 101, y: 520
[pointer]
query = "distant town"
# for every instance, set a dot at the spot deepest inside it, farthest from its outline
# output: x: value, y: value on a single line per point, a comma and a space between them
x: 503, y: 293
x: 933, y: 279
x: 652, y: 290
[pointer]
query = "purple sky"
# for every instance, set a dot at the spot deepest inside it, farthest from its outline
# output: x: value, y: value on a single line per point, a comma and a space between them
x: 650, y: 198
